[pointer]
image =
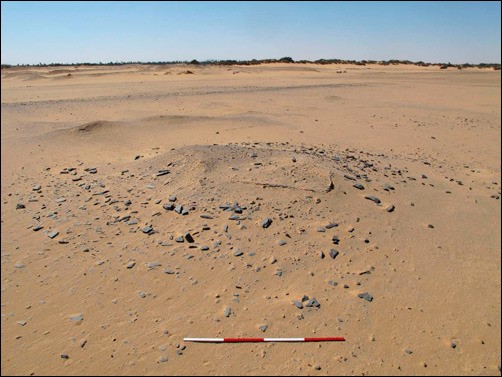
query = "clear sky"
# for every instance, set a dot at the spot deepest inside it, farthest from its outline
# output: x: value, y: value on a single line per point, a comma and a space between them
x: 70, y: 32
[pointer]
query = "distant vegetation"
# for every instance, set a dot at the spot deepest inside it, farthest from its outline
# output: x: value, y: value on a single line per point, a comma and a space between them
x: 495, y: 66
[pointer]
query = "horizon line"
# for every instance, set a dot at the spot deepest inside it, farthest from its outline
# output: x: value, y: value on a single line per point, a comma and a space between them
x: 288, y: 60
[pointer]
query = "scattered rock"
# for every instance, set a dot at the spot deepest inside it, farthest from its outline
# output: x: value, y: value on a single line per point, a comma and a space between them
x: 390, y: 208
x: 298, y: 304
x: 161, y: 173
x: 168, y: 206
x: 313, y: 303
x: 77, y: 317
x: 373, y: 199
x: 148, y: 229
x: 265, y: 223
x: 53, y: 234
x: 153, y: 265
x: 333, y: 253
x: 238, y: 253
x: 365, y: 296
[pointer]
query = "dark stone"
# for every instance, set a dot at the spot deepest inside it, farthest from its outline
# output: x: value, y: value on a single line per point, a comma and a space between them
x: 313, y: 302
x: 189, y: 238
x: 168, y: 206
x: 238, y: 253
x: 333, y: 253
x: 365, y: 296
x: 265, y: 223
x: 373, y: 198
x: 390, y: 208
x: 148, y: 229
x: 358, y: 186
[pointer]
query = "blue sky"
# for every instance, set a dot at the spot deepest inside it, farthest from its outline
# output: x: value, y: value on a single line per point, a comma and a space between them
x: 70, y: 32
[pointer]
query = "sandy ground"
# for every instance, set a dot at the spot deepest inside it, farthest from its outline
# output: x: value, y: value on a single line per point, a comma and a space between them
x: 114, y: 290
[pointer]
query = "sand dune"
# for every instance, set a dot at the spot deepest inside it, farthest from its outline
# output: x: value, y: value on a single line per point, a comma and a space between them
x: 133, y: 201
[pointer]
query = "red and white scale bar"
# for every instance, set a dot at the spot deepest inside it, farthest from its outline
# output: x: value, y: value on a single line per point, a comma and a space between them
x: 261, y: 340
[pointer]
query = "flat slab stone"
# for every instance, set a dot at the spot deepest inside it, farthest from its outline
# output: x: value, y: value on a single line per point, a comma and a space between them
x: 365, y: 296
x: 373, y: 199
x: 77, y: 317
x: 238, y: 253
x: 168, y: 206
x: 52, y: 234
x: 148, y: 229
x: 298, y: 304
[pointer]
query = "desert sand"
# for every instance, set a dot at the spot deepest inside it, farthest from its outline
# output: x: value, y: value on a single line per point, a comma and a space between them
x: 96, y: 281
